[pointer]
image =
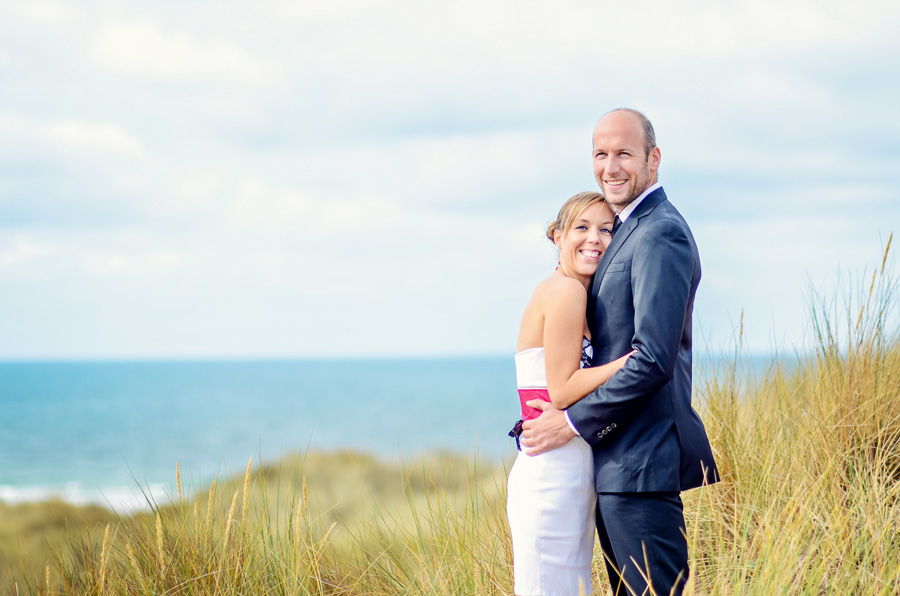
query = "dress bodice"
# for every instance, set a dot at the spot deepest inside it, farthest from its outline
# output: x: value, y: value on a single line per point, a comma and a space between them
x: 531, y: 369
x: 531, y: 375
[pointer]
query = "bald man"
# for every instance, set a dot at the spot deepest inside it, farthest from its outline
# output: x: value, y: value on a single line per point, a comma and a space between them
x: 649, y: 444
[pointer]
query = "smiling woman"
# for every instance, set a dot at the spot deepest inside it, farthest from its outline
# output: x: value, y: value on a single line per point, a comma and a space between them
x: 582, y: 235
x: 551, y: 496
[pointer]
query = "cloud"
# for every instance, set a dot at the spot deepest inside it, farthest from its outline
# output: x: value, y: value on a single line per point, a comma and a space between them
x: 44, y: 12
x: 65, y: 173
x: 279, y: 177
x: 38, y: 137
x: 87, y: 136
x: 144, y: 48
x: 22, y: 252
x: 302, y: 11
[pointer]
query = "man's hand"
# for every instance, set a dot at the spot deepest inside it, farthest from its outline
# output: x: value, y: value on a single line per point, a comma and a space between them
x: 546, y: 432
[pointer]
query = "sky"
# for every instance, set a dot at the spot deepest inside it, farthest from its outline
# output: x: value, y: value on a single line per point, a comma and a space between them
x: 354, y: 178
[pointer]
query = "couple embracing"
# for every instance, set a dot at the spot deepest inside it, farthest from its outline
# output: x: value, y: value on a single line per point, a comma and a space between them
x: 603, y: 367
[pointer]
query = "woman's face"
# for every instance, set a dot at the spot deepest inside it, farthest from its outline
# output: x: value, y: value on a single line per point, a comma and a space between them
x: 582, y: 245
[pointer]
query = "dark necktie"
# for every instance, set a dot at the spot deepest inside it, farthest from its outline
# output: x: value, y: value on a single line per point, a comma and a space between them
x: 616, y: 223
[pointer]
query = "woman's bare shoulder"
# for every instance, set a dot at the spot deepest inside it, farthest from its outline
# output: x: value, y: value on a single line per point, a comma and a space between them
x: 557, y: 294
x: 558, y: 289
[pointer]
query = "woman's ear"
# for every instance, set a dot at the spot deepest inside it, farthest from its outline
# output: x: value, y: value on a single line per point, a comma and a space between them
x: 557, y: 238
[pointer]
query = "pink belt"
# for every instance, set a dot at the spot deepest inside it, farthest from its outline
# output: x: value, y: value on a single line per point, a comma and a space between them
x: 529, y: 413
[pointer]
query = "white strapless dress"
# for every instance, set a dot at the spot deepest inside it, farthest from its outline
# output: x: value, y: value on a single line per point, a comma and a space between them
x: 551, y: 505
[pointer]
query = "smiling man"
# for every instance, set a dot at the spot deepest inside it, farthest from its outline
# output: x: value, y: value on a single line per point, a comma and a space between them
x: 648, y: 442
x: 626, y: 158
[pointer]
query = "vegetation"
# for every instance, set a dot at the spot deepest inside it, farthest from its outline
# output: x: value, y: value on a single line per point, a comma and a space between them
x: 809, y: 501
x: 810, y: 461
x: 31, y: 534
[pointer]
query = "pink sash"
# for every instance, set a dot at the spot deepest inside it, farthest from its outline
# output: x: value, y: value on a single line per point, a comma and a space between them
x: 529, y: 413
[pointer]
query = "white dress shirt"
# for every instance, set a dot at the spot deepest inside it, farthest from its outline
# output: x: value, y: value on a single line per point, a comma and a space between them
x: 624, y: 213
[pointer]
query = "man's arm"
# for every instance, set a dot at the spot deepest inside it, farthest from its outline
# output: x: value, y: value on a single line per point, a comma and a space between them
x: 661, y: 275
x: 546, y: 432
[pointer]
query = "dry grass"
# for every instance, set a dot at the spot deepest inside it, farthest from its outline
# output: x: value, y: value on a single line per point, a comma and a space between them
x: 810, y: 462
x: 31, y: 534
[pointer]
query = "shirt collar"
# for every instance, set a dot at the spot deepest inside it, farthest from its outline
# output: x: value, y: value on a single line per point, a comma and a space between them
x: 624, y: 213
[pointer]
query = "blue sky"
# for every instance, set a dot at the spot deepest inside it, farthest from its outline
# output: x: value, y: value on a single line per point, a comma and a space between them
x: 225, y: 179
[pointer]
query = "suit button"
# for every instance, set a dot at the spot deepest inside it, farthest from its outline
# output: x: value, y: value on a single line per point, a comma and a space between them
x: 613, y: 425
x: 605, y: 430
x: 599, y: 435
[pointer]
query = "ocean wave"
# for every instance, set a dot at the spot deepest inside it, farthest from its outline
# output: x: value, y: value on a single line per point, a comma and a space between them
x: 122, y: 499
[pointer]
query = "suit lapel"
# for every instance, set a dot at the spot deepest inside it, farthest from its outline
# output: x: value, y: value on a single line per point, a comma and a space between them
x: 628, y: 226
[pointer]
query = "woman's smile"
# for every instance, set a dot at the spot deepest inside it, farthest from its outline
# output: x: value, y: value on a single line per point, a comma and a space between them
x: 582, y: 245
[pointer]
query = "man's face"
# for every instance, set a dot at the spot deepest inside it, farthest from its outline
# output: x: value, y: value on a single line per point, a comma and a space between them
x: 621, y: 168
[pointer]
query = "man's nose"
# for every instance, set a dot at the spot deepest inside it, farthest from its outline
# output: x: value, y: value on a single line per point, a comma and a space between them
x: 612, y: 164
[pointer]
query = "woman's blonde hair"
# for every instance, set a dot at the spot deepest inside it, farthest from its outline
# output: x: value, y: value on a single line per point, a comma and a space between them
x: 571, y: 210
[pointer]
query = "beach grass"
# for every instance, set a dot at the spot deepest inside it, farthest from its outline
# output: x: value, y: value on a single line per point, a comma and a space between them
x: 809, y: 455
x: 808, y: 503
x: 308, y: 523
x: 33, y: 534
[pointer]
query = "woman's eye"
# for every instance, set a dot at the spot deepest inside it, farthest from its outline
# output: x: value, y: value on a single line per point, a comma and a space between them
x: 606, y: 231
x: 580, y: 227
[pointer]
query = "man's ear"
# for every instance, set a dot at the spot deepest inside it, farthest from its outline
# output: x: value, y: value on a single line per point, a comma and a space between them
x: 653, y: 159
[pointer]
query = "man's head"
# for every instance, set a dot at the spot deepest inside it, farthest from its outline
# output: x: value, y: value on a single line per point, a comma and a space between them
x: 626, y: 157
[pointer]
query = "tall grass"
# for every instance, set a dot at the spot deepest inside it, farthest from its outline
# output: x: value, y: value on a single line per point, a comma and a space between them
x: 31, y: 534
x: 809, y: 501
x: 434, y: 526
x: 810, y: 461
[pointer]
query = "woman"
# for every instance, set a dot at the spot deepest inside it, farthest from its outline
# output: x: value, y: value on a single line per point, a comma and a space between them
x: 551, y: 497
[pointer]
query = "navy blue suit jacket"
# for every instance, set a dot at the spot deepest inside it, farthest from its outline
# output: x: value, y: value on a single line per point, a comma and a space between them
x: 645, y: 434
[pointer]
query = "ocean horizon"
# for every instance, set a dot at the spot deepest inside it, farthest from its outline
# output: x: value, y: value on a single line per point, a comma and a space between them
x: 111, y: 431
x: 107, y: 431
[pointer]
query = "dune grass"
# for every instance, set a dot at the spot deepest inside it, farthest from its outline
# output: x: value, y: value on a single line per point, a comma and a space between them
x: 809, y: 501
x: 324, y: 523
x: 31, y: 534
x: 810, y: 461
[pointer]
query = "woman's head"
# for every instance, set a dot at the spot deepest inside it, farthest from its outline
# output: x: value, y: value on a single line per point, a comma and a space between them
x: 582, y: 231
x: 570, y: 210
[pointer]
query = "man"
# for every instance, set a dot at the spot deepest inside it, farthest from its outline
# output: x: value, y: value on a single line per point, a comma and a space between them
x: 649, y: 444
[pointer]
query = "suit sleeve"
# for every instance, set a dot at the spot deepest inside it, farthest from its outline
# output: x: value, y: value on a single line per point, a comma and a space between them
x: 661, y: 272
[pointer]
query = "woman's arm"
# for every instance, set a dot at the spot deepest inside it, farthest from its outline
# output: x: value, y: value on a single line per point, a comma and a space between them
x: 563, y: 334
x: 583, y: 381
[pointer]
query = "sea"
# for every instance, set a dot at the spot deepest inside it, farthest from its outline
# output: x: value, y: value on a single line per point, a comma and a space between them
x: 111, y: 433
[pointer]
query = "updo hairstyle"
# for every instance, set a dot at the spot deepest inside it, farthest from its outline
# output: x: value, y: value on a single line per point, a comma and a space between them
x: 571, y: 210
